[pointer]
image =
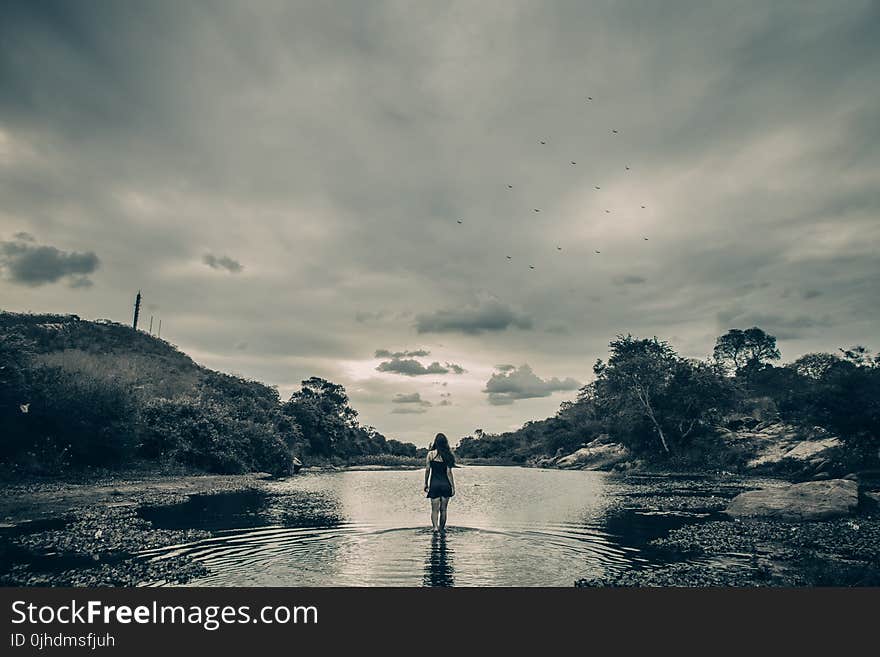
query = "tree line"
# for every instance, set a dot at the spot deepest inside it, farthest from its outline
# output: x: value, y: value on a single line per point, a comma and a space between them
x: 665, y: 407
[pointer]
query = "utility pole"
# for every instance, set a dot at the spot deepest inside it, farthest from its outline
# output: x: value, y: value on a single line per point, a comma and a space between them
x: 159, y: 335
x: 151, y: 325
x: 137, y: 310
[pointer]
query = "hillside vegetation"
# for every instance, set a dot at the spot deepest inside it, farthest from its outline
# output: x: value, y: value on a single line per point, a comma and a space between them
x: 671, y: 412
x: 77, y: 393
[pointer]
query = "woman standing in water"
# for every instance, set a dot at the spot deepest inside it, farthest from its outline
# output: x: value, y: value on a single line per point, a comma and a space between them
x: 439, y: 483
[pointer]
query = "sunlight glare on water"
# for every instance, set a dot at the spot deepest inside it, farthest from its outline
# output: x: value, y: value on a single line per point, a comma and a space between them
x: 507, y: 527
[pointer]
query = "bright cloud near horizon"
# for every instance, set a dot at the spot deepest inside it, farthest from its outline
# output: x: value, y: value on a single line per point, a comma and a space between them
x: 349, y: 189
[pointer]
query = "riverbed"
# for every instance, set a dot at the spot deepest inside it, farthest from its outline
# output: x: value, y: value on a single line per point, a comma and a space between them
x: 508, y: 526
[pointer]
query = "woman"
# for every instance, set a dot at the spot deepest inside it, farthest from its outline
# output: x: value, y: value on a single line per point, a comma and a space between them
x: 439, y: 484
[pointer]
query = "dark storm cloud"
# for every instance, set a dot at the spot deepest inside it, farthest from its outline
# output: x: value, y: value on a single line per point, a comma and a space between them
x: 411, y: 367
x: 504, y: 388
x: 490, y: 316
x: 222, y: 262
x: 30, y: 264
x: 385, y: 353
x: 410, y: 398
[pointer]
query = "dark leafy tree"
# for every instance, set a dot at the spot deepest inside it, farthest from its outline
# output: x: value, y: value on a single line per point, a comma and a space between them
x: 738, y: 350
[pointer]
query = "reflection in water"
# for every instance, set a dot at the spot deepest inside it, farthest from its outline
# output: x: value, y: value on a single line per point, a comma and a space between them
x: 508, y: 527
x: 438, y: 563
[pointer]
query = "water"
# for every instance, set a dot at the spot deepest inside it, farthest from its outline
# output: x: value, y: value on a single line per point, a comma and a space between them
x: 507, y: 527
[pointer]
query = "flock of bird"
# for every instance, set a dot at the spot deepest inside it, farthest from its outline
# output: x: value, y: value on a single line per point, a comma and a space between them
x: 543, y: 142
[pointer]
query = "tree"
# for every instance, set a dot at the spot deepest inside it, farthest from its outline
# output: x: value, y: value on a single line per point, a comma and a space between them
x: 860, y: 356
x: 750, y: 349
x: 327, y: 422
x: 637, y: 372
x: 817, y: 366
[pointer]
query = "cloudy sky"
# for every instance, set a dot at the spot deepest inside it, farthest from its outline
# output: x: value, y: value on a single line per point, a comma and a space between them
x: 285, y: 182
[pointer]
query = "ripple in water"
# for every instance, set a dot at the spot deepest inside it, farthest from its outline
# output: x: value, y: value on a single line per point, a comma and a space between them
x: 507, y: 527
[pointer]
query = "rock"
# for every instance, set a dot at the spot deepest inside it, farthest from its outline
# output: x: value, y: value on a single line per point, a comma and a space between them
x: 595, y: 456
x: 738, y: 422
x: 812, y: 500
x: 873, y: 496
x: 852, y: 476
x: 776, y: 443
x: 809, y: 449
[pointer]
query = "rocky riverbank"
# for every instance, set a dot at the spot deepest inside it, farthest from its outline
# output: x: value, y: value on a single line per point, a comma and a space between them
x: 745, y: 445
x: 87, y: 533
x: 753, y: 532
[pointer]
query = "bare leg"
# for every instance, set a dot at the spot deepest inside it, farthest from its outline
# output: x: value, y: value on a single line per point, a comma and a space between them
x: 435, y: 511
x: 444, y: 501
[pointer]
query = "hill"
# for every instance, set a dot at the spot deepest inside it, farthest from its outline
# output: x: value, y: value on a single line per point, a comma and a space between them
x: 76, y: 393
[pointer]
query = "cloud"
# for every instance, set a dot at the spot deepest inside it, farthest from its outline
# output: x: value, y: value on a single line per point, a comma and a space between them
x: 407, y: 410
x: 412, y: 367
x: 473, y: 320
x: 79, y: 282
x: 522, y: 383
x: 222, y: 262
x: 385, y: 353
x: 24, y: 237
x: 349, y: 217
x: 629, y: 279
x: 26, y: 263
x: 410, y: 398
x: 777, y: 324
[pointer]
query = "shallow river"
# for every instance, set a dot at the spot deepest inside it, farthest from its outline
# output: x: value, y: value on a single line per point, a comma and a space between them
x: 507, y: 526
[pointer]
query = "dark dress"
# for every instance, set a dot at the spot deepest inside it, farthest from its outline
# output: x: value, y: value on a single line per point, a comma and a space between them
x: 439, y: 484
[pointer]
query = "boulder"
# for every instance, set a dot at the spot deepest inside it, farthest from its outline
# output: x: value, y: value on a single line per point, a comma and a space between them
x: 774, y: 444
x: 812, y: 500
x: 595, y: 456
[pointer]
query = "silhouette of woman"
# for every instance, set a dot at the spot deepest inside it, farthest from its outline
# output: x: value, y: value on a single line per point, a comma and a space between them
x: 439, y: 482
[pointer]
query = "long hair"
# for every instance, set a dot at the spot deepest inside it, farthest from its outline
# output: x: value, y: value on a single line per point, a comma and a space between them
x: 441, y: 444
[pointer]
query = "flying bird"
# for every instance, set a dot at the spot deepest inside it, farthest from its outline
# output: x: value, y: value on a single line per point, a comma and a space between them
x: 573, y: 162
x: 597, y: 187
x: 510, y: 187
x: 559, y: 248
x: 531, y: 266
x: 589, y: 98
x: 643, y: 207
x: 543, y: 142
x: 509, y: 258
x: 598, y: 252
x: 627, y: 168
x: 606, y: 212
x: 459, y: 221
x: 614, y: 131
x: 537, y: 210
x: 645, y: 238
x: 24, y: 407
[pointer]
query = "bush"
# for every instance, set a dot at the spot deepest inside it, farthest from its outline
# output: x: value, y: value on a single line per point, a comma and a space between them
x: 203, y: 434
